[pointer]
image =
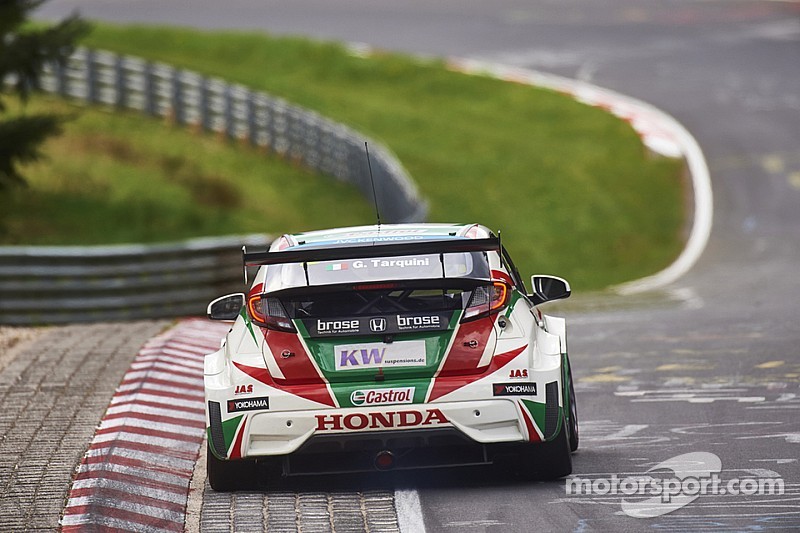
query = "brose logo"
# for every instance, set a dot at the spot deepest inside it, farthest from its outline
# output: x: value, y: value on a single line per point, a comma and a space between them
x: 382, y: 396
x: 418, y: 322
x: 248, y: 404
x: 514, y: 389
x: 337, y: 326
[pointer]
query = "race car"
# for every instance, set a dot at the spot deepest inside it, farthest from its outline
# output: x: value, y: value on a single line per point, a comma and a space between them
x: 386, y: 347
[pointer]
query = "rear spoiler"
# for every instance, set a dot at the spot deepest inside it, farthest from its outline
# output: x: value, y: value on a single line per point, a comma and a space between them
x: 311, y: 254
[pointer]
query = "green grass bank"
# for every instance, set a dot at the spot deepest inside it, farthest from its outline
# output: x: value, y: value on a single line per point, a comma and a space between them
x: 571, y: 187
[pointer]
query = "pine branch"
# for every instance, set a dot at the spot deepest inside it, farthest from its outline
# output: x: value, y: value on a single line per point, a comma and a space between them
x: 24, y: 51
x: 19, y: 143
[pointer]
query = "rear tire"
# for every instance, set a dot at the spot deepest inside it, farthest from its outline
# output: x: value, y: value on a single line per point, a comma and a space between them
x: 547, y: 460
x: 573, y: 415
x: 228, y: 476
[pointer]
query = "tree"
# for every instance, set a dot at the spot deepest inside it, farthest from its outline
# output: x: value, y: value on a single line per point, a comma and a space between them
x: 24, y: 50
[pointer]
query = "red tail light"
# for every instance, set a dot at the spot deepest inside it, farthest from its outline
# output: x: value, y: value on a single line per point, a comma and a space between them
x: 487, y: 299
x: 269, y: 312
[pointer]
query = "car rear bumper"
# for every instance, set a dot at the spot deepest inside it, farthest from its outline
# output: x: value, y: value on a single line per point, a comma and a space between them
x: 399, y: 429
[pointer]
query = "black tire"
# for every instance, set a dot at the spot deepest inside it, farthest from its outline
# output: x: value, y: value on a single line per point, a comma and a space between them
x: 547, y: 460
x: 572, y: 410
x: 555, y: 460
x: 228, y: 476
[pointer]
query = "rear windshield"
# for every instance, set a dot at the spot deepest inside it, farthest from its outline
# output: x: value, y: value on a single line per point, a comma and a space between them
x: 376, y: 311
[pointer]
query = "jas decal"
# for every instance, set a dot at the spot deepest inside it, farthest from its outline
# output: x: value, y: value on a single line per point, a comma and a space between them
x: 244, y: 389
x: 518, y: 373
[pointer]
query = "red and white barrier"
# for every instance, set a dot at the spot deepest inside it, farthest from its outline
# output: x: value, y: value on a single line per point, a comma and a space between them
x: 136, y: 473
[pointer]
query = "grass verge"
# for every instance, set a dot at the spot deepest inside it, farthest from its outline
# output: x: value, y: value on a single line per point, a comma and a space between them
x: 571, y: 187
x: 117, y: 177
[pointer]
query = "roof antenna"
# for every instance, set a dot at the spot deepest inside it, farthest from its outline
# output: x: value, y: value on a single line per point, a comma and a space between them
x: 372, y: 181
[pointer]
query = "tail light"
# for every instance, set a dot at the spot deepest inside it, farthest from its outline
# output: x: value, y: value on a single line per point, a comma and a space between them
x: 269, y: 312
x: 486, y: 299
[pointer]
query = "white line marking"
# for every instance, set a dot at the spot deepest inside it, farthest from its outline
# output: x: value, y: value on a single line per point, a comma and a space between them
x: 166, y: 427
x: 156, y: 460
x: 131, y: 488
x: 138, y: 508
x: 625, y: 432
x: 793, y: 438
x: 162, y: 390
x: 167, y: 410
x: 409, y: 511
x: 166, y: 401
x: 124, y: 436
x: 186, y: 363
x: 144, y: 376
x: 161, y: 366
x: 703, y: 215
x: 658, y: 124
x: 97, y: 470
x: 92, y: 521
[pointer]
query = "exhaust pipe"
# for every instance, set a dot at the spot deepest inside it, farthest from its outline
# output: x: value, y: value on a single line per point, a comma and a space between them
x: 384, y: 460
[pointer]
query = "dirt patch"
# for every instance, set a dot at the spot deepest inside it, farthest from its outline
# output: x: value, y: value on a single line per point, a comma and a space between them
x: 13, y: 340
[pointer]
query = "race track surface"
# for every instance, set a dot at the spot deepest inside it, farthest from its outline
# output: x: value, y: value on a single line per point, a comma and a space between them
x: 707, y: 365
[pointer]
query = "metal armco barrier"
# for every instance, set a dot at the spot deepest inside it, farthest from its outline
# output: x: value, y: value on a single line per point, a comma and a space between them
x: 53, y: 284
x: 235, y: 111
x: 50, y: 285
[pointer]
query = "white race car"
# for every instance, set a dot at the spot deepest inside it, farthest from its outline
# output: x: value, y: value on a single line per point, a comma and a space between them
x: 388, y: 347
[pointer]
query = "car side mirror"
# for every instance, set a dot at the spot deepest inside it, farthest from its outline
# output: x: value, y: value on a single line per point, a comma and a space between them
x: 549, y: 288
x: 226, y: 307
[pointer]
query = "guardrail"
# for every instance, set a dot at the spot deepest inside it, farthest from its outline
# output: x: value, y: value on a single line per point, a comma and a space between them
x: 237, y: 112
x: 51, y: 284
x: 47, y: 285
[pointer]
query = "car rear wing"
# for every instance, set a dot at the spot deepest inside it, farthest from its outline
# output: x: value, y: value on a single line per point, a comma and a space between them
x: 377, y: 249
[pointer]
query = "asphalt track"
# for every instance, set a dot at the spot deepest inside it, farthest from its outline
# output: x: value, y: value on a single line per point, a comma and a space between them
x: 710, y: 363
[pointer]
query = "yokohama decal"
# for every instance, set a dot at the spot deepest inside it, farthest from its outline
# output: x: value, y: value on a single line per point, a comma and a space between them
x: 248, y: 404
x: 514, y: 389
x: 135, y: 475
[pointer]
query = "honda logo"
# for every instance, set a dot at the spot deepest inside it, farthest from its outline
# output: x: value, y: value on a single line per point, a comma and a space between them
x: 377, y: 325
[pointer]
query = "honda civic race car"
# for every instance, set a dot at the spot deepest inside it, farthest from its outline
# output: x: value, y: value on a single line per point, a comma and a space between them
x: 388, y: 347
